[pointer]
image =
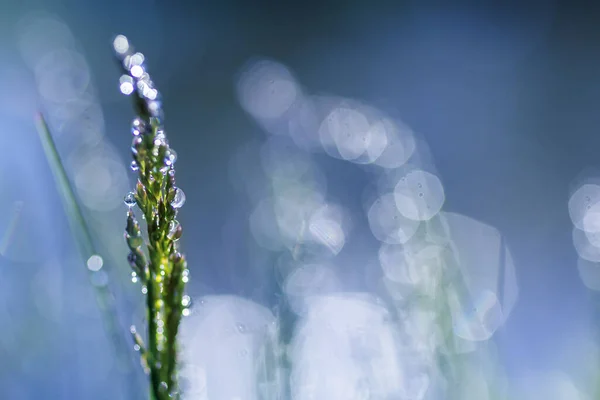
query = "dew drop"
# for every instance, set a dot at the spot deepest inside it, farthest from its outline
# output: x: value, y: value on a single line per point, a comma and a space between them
x: 138, y: 127
x: 178, y: 199
x: 134, y: 277
x: 155, y: 108
x: 185, y: 312
x: 170, y: 157
x: 136, y: 59
x: 164, y: 387
x: 134, y: 166
x: 136, y: 347
x: 130, y: 199
x: 132, y: 329
x: 185, y: 275
x: 126, y: 84
x: 160, y: 135
x: 95, y: 262
x: 121, y: 45
x: 160, y: 141
x: 136, y: 143
x: 144, y: 290
x: 137, y: 71
x: 186, y: 300
x: 174, y: 230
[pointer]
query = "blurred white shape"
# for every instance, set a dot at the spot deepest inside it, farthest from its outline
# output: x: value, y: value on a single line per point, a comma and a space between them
x: 100, y: 178
x: 352, y: 131
x: 488, y: 275
x: 591, y: 219
x: 121, y: 44
x: 126, y: 84
x: 376, y: 142
x: 193, y: 381
x: 387, y: 222
x: 95, y: 263
x: 584, y: 247
x: 266, y: 89
x: 62, y: 75
x: 400, y: 144
x: 39, y: 34
x: 417, y: 264
x: 307, y: 281
x: 263, y: 225
x: 325, y: 226
x: 347, y: 129
x: 419, y: 195
x: 582, y: 202
x: 591, y: 225
x: 421, y: 327
x: 346, y: 348
x: 480, y: 319
x: 589, y: 272
x: 224, y: 341
x: 293, y: 209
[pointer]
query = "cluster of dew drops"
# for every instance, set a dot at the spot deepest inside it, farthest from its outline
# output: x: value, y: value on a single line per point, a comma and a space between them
x: 138, y: 79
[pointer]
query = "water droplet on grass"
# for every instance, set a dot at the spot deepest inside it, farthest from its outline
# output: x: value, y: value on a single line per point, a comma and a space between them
x: 95, y: 262
x: 126, y: 85
x: 174, y: 230
x: 179, y: 199
x: 130, y: 200
x: 170, y: 157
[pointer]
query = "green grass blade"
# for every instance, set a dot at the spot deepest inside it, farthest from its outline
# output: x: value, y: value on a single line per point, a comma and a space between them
x: 83, y: 238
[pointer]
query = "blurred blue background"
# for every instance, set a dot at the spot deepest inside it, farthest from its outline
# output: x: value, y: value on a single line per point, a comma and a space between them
x: 505, y: 96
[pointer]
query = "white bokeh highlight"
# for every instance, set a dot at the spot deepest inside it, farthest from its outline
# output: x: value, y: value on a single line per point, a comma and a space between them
x: 224, y: 340
x: 266, y: 89
x: 489, y: 291
x: 419, y: 195
x: 387, y: 223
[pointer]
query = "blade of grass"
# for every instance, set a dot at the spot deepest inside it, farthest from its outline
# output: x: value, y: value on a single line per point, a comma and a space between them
x: 83, y: 239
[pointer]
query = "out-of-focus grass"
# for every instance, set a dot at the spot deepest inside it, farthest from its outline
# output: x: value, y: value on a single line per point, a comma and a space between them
x: 92, y: 261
